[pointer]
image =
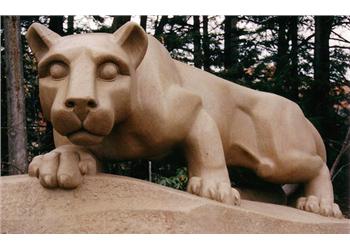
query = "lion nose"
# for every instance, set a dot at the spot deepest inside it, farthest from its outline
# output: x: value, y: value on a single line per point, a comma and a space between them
x: 81, y: 106
x: 80, y: 102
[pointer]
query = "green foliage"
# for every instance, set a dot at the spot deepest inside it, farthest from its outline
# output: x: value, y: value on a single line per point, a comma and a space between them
x: 179, y: 181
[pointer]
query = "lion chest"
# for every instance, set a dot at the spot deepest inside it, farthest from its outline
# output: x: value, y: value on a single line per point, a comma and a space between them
x: 127, y: 143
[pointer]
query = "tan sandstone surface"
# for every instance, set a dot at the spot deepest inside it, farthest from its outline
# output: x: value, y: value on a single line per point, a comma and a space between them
x: 116, y: 204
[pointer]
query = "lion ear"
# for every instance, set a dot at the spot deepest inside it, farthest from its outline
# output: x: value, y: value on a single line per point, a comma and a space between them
x: 133, y: 39
x: 40, y: 39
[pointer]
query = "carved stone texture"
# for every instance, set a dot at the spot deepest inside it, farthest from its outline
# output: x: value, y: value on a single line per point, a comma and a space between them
x: 121, y: 96
x: 114, y: 204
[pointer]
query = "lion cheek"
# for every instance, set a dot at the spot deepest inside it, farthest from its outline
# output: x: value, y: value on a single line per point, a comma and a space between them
x: 47, y: 96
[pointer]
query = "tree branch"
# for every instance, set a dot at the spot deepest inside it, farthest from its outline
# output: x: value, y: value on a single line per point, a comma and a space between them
x: 338, y: 47
x: 306, y: 40
x: 343, y: 150
x: 342, y: 39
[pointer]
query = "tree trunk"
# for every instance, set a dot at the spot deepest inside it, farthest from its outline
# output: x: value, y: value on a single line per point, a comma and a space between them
x: 119, y: 21
x: 56, y: 24
x: 294, y: 76
x: 143, y: 22
x: 205, y: 45
x: 70, y: 25
x: 323, y: 28
x: 282, y: 51
x: 17, y: 136
x: 230, y: 42
x: 197, y: 52
x: 321, y: 86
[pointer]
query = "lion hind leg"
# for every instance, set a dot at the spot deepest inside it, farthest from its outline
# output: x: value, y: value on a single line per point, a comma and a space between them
x: 313, y: 173
x: 319, y: 195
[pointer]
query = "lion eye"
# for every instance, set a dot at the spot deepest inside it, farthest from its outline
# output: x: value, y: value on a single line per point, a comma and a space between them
x: 58, y: 70
x: 107, y: 71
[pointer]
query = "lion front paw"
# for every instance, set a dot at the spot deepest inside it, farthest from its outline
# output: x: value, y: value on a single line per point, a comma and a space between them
x: 63, y: 167
x: 319, y: 206
x: 219, y: 191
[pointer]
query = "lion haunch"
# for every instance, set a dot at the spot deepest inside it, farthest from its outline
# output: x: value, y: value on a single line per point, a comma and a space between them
x: 121, y: 96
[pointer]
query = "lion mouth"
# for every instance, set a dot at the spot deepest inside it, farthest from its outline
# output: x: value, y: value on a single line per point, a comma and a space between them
x: 84, y: 137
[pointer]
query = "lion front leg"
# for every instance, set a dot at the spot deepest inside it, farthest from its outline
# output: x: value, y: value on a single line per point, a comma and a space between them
x: 207, y: 167
x: 63, y: 167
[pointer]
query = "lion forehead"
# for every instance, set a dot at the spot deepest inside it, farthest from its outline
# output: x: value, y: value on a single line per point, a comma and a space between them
x: 89, y: 39
x: 99, y: 42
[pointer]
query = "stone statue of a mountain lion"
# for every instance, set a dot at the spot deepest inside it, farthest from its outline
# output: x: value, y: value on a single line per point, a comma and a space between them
x: 121, y: 96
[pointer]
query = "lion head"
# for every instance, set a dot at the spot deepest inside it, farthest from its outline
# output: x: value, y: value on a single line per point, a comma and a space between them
x: 84, y: 80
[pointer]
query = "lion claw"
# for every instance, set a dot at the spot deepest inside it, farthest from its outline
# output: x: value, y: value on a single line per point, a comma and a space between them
x: 219, y: 191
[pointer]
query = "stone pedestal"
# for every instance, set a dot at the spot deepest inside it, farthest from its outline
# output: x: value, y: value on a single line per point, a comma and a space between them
x: 116, y: 204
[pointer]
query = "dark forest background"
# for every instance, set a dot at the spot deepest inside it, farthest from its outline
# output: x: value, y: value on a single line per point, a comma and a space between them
x: 303, y: 58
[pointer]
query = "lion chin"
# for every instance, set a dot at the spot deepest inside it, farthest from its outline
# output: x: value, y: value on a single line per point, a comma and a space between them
x: 83, y: 137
